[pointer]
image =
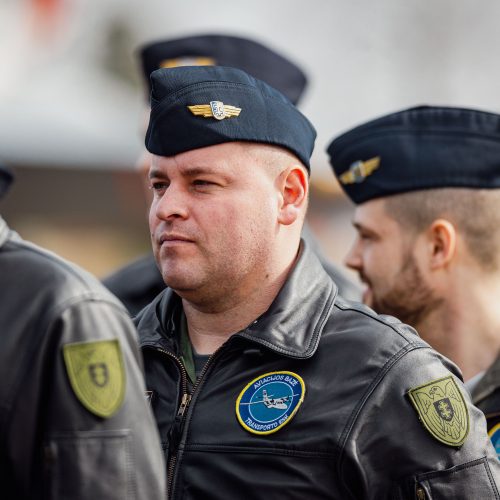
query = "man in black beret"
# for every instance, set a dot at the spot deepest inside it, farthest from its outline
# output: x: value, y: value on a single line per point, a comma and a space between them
x: 138, y: 283
x: 426, y: 182
x: 263, y: 380
x: 72, y: 412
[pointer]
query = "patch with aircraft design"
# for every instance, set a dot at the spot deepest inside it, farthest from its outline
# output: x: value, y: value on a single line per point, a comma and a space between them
x: 270, y: 401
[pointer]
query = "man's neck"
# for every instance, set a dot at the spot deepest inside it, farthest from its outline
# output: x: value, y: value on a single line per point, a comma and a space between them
x: 209, y: 327
x: 466, y: 326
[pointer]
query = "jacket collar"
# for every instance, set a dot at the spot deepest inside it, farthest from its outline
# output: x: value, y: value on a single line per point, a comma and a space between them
x: 291, y: 326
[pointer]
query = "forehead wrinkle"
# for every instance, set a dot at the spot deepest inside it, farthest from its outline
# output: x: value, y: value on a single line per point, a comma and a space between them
x: 228, y: 161
x: 223, y: 163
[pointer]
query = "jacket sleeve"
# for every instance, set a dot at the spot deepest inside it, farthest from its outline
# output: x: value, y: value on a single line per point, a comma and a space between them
x: 101, y: 441
x: 417, y: 435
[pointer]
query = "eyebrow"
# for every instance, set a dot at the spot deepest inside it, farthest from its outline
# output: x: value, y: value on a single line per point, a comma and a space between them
x: 188, y: 171
x: 361, y: 227
x: 155, y: 172
x: 196, y: 170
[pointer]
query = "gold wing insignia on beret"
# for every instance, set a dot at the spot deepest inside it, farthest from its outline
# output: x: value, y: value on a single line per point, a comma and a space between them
x: 216, y: 109
x: 360, y: 170
x: 187, y: 61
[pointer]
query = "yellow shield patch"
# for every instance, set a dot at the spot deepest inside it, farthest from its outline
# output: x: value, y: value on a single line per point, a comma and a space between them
x: 96, y: 374
x: 442, y: 409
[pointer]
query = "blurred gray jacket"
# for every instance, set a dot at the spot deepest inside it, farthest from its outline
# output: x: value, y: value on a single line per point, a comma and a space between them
x: 74, y: 422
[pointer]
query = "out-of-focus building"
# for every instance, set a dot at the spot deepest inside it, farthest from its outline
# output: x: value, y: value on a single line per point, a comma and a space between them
x: 71, y: 101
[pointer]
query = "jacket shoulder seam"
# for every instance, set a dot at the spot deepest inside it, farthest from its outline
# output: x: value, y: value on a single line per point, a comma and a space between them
x: 396, y: 327
x: 411, y: 346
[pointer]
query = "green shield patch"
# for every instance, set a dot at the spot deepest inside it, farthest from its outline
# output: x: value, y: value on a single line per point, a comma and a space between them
x: 442, y: 409
x: 97, y: 375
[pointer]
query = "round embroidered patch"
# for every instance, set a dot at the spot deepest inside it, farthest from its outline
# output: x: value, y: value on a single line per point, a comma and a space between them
x: 494, y: 434
x: 270, y: 401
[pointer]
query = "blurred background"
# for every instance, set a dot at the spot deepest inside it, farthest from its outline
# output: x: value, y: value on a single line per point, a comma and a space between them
x: 71, y: 98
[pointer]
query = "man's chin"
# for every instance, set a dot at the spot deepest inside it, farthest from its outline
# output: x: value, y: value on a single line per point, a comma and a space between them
x: 181, y: 281
x: 178, y: 283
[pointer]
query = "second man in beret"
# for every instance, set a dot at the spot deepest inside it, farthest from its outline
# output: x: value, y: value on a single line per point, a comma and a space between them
x: 426, y: 182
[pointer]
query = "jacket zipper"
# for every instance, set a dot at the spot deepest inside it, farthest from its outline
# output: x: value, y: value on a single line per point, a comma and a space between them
x: 185, y: 399
x: 180, y: 417
x: 178, y: 424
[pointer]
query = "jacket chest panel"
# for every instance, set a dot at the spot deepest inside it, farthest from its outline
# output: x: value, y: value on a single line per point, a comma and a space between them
x: 219, y: 409
x: 297, y: 461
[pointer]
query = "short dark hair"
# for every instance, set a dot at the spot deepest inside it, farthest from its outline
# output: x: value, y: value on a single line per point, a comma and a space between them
x: 474, y: 212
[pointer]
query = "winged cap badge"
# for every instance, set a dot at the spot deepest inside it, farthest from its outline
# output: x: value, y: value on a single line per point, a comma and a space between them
x: 216, y: 109
x: 442, y: 410
x: 187, y: 61
x: 360, y: 170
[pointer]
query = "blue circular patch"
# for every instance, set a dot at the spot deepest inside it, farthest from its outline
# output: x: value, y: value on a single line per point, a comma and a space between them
x: 494, y: 434
x: 270, y: 401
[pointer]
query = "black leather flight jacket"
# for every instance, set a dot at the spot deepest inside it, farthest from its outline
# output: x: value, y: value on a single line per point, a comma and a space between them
x: 356, y: 435
x: 51, y: 445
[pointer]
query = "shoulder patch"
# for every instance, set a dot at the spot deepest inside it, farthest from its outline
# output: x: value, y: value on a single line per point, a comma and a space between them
x: 270, y: 401
x: 96, y: 375
x: 442, y: 410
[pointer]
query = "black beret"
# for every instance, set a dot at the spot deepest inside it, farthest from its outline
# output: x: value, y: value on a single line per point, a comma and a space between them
x: 223, y: 50
x: 6, y: 178
x: 197, y: 106
x: 419, y: 148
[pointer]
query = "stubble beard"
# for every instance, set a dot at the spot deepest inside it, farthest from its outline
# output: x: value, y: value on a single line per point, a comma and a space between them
x: 411, y: 300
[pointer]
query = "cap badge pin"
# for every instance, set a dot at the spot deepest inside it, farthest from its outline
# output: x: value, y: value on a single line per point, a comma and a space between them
x: 187, y: 61
x: 360, y: 170
x: 216, y: 109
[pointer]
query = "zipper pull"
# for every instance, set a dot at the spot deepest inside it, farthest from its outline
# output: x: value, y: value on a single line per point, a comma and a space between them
x: 186, y: 399
x: 175, y: 432
x: 421, y: 493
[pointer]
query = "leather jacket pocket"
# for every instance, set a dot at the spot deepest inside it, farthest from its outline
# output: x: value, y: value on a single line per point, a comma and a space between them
x: 89, y: 464
x: 472, y: 480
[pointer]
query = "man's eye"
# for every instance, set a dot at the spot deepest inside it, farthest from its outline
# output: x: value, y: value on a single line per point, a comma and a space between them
x: 364, y: 236
x: 202, y: 182
x: 158, y: 186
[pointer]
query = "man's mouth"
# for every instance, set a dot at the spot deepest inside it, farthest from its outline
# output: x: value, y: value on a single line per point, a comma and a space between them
x: 173, y: 239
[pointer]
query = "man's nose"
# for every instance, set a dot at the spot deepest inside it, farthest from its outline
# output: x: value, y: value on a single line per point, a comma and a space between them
x: 173, y: 204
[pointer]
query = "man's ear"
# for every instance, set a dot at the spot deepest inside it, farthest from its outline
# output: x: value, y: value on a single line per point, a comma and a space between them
x: 442, y: 243
x: 294, y: 187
